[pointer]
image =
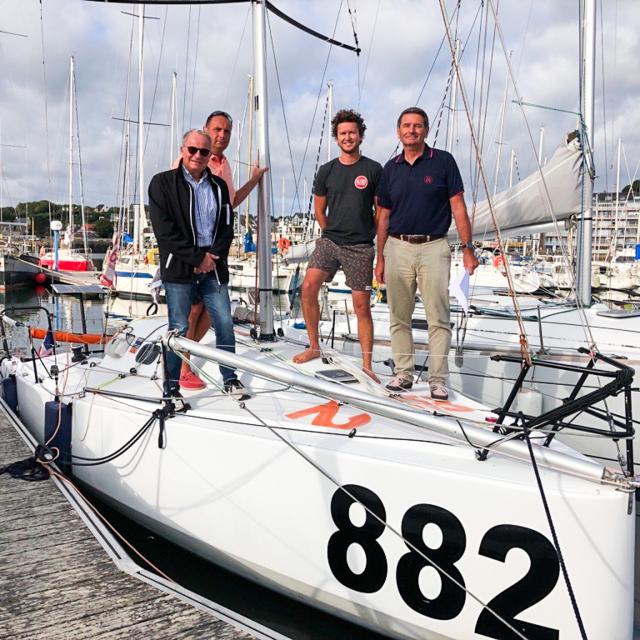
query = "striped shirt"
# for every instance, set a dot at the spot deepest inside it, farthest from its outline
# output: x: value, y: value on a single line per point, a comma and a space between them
x: 219, y: 166
x: 206, y: 208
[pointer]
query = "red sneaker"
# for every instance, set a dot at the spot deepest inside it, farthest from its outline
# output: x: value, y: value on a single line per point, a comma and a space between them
x: 190, y: 380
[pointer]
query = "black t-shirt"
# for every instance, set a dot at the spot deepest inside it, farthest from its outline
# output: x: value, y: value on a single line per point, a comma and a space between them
x: 350, y: 189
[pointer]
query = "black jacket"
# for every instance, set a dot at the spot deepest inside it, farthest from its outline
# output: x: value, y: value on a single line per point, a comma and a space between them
x: 172, y: 211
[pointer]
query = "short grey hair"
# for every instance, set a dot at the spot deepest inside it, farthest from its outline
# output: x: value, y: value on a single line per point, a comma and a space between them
x: 200, y: 132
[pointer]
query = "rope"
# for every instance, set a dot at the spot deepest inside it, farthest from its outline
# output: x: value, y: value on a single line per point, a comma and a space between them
x: 317, y: 163
x: 382, y: 521
x: 122, y: 539
x: 28, y: 469
x: 547, y: 197
x: 523, y: 340
x: 556, y: 542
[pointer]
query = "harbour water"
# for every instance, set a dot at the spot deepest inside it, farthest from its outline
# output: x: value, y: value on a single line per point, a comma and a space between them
x: 289, y: 617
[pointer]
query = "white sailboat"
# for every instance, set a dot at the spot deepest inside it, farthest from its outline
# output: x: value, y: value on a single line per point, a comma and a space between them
x: 67, y: 258
x: 398, y: 513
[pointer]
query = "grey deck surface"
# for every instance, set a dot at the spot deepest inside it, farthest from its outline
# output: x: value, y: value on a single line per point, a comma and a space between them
x: 56, y: 581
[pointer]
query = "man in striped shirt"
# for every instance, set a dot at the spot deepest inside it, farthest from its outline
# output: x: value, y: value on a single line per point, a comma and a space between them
x: 219, y: 125
x: 193, y: 223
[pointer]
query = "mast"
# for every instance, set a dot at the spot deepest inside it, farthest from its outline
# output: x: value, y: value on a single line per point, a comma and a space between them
x: 512, y: 163
x: 541, y: 146
x: 261, y: 104
x: 617, y: 214
x: 503, y: 109
x: 70, y: 185
x: 452, y: 100
x: 330, y: 108
x: 585, y: 225
x: 247, y: 214
x: 139, y: 216
x: 172, y: 151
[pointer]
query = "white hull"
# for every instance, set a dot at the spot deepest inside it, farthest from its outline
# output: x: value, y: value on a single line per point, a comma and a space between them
x: 475, y: 374
x: 238, y: 492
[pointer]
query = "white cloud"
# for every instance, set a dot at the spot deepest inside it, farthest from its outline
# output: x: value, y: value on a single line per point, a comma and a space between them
x: 543, y: 35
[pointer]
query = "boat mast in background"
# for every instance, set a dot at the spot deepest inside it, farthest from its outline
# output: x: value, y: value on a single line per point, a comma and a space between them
x: 139, y: 216
x: 587, y: 77
x: 261, y: 105
x: 70, y: 184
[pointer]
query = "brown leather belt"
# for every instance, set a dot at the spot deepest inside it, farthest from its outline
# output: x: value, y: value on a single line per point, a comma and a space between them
x: 413, y: 239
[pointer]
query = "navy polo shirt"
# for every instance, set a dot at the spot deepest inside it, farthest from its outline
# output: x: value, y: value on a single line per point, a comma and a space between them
x: 418, y: 194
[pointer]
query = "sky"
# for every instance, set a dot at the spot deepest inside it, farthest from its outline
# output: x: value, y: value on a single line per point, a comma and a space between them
x: 405, y: 61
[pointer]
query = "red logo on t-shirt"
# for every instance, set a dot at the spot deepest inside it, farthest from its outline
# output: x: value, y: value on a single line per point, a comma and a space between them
x: 428, y: 179
x: 361, y: 182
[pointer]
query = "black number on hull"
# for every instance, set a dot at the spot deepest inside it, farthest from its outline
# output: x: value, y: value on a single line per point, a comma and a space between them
x: 449, y: 602
x: 375, y: 571
x: 532, y: 588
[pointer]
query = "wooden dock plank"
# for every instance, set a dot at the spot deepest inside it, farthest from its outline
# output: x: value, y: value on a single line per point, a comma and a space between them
x: 58, y: 583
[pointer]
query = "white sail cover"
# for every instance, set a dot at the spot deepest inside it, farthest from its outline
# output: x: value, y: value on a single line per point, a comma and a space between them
x: 522, y: 208
x: 298, y: 253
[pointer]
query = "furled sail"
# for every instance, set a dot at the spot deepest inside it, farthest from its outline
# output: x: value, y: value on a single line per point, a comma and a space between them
x: 523, y: 209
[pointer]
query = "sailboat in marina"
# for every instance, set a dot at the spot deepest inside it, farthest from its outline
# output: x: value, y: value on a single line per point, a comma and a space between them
x: 487, y: 355
x: 67, y: 258
x: 399, y: 513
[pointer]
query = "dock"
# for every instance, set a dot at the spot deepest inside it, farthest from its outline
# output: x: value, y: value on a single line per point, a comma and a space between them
x: 64, y: 576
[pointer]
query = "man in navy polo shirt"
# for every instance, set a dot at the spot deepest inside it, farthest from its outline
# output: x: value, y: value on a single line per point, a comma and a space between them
x: 419, y: 192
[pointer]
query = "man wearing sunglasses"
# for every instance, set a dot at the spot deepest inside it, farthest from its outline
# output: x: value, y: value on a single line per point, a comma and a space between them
x: 219, y: 126
x: 192, y: 220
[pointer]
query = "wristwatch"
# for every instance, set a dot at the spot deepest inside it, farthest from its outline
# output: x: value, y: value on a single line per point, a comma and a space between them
x: 468, y: 245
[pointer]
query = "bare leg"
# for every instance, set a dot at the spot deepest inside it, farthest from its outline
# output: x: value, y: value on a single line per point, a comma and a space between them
x: 199, y: 322
x: 311, y: 311
x: 362, y: 307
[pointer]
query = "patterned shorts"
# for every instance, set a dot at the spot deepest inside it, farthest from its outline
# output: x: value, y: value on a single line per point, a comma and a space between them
x: 356, y: 261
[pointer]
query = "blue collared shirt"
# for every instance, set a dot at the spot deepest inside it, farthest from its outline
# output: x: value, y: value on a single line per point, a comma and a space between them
x: 418, y: 194
x: 206, y: 208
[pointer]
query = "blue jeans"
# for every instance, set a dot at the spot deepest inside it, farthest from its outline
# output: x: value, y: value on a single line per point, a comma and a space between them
x: 179, y: 297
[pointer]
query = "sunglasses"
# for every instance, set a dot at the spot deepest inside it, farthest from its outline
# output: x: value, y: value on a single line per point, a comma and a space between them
x: 203, y: 152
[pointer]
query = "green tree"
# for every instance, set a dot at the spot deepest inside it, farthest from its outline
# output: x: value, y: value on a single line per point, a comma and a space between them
x: 635, y: 186
x: 103, y: 228
x: 8, y: 214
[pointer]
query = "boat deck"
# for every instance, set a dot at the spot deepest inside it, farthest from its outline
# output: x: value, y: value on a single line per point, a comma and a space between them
x: 58, y: 582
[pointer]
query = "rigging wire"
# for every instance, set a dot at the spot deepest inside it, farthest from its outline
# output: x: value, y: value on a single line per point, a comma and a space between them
x: 123, y: 170
x: 237, y: 56
x: 556, y: 541
x: 157, y: 78
x: 315, y: 111
x: 547, y: 197
x: 353, y: 17
x: 186, y: 71
x: 604, y: 102
x: 523, y: 338
x: 369, y: 50
x: 296, y: 197
x: 80, y: 173
x: 326, y: 474
x: 195, y: 66
x: 46, y: 114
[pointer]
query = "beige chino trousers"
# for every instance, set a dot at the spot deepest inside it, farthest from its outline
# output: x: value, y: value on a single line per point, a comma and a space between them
x: 425, y: 267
